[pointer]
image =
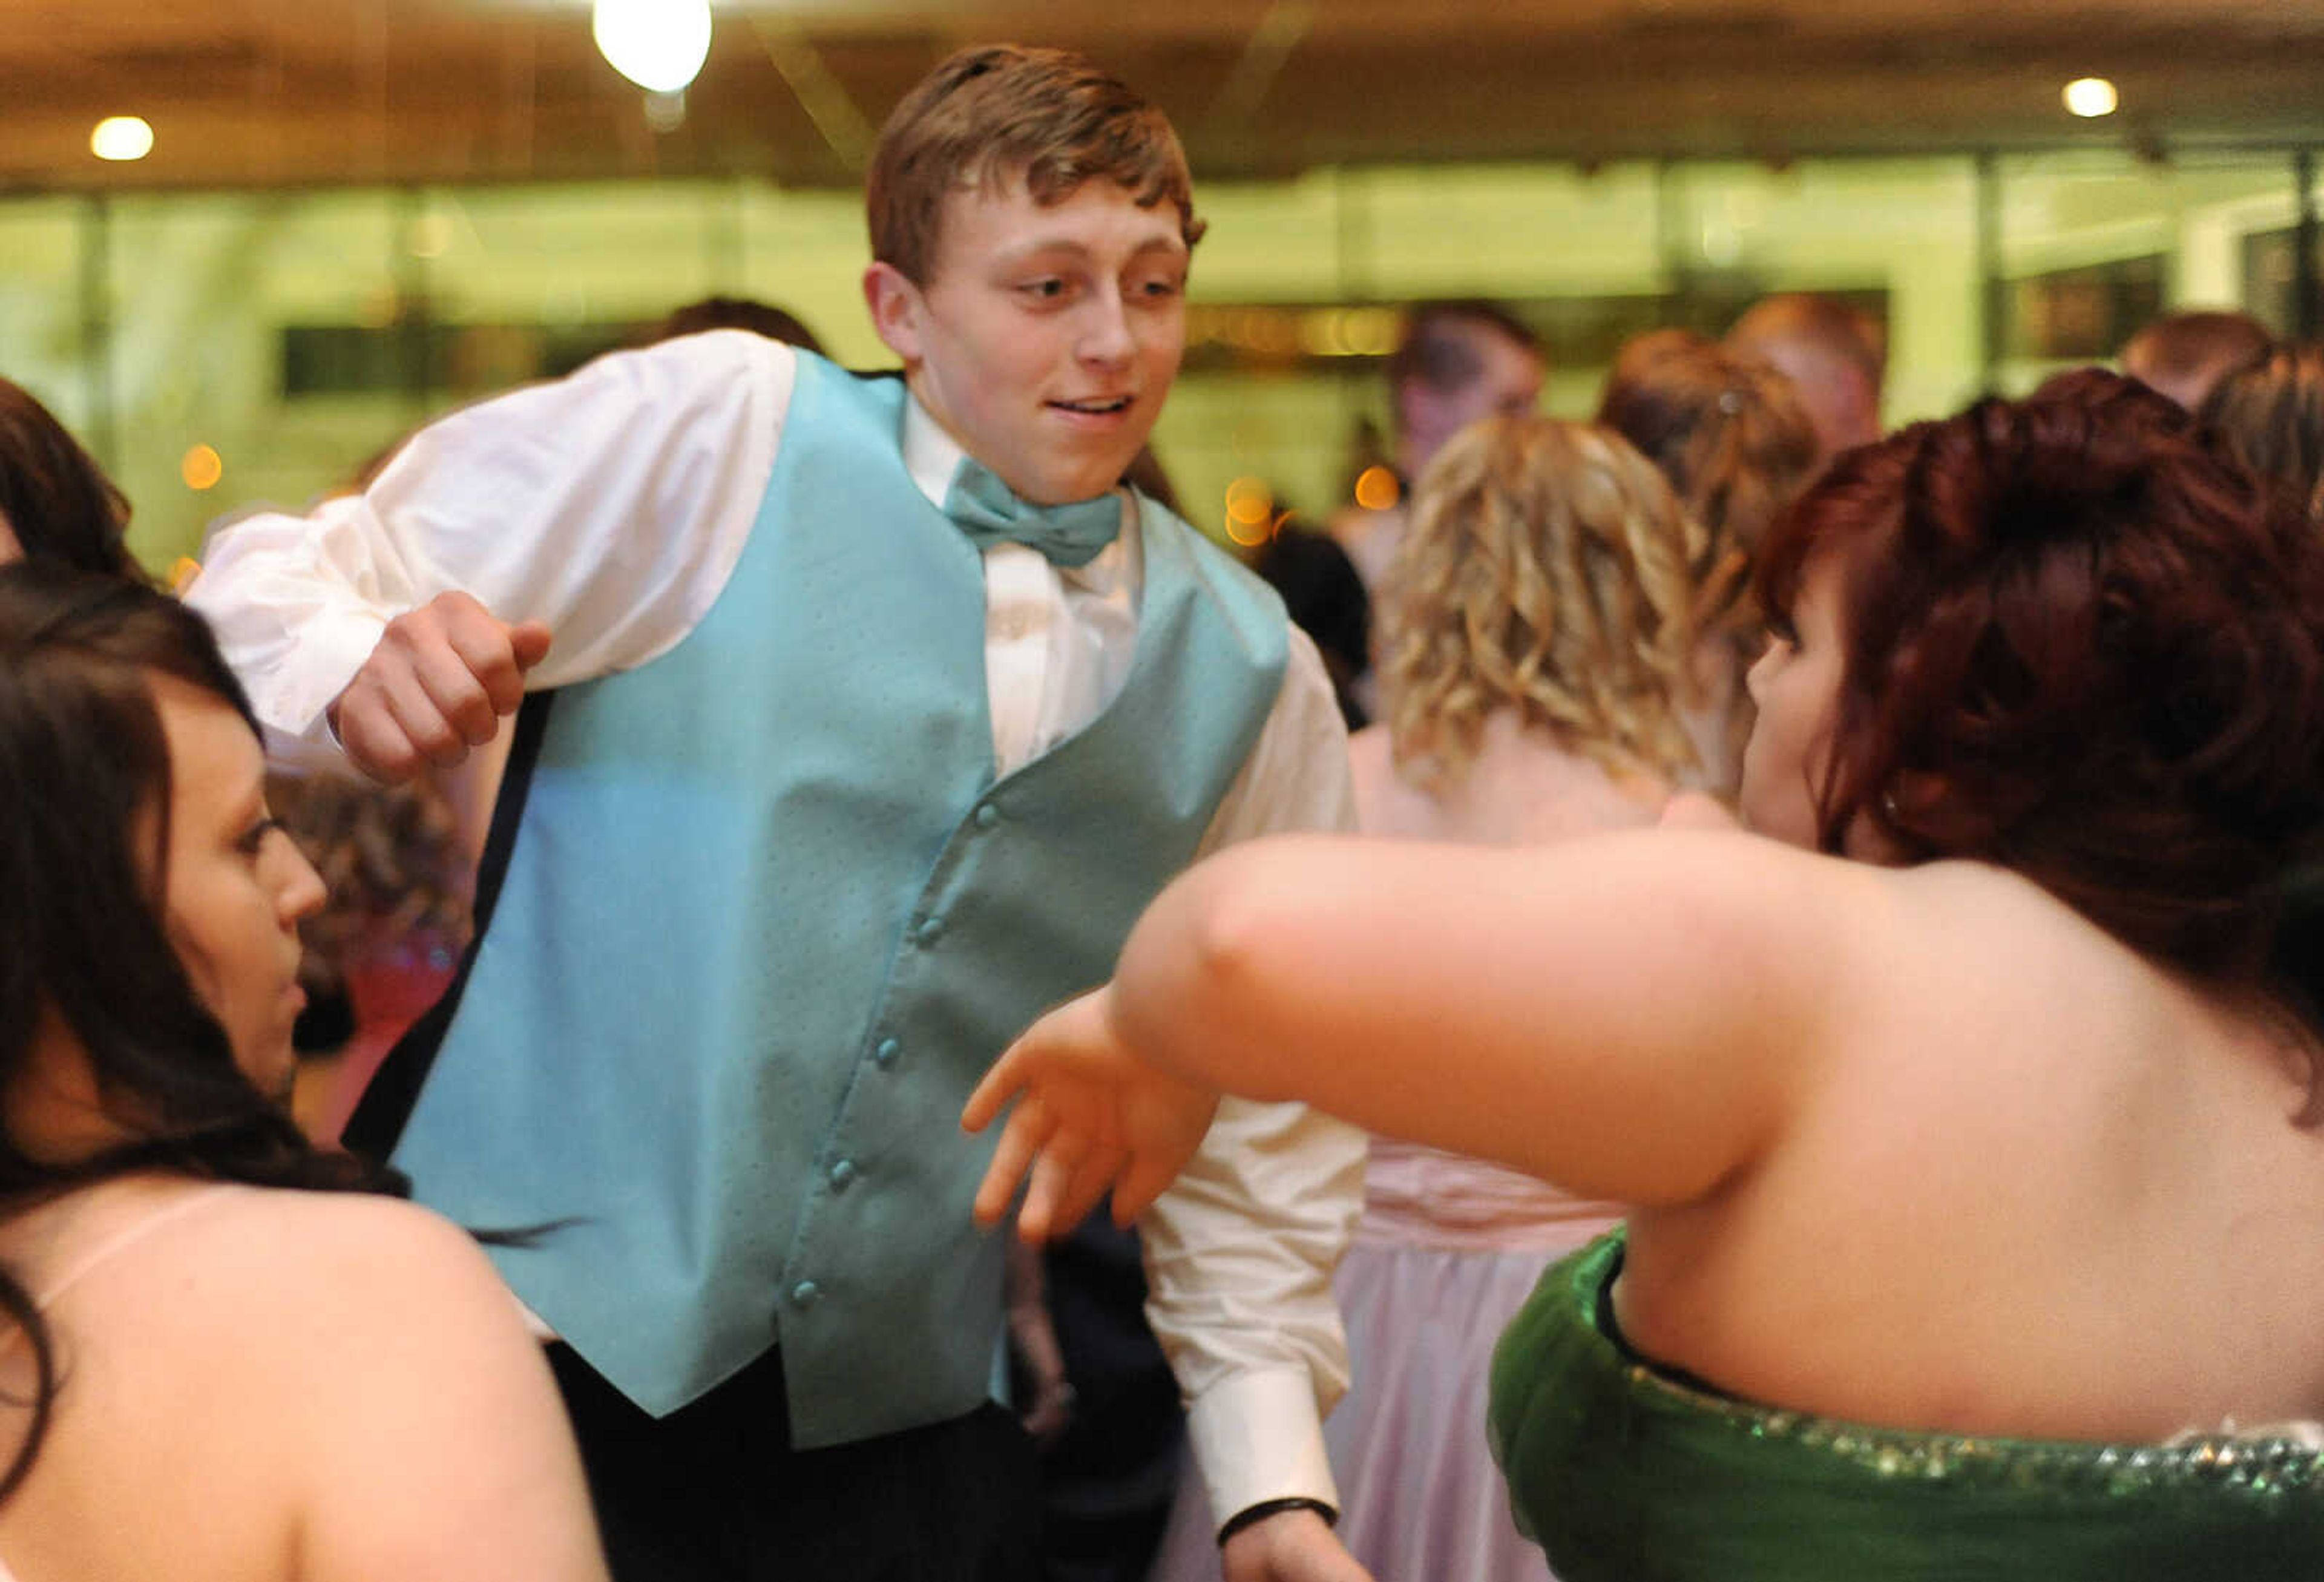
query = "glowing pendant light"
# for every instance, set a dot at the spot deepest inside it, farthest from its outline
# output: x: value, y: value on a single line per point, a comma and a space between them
x: 658, y: 44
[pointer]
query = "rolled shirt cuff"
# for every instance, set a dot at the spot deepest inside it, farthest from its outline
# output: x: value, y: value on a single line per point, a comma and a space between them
x: 1256, y: 1436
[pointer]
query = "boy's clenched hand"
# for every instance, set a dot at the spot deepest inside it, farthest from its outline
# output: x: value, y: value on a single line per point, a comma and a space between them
x: 437, y: 684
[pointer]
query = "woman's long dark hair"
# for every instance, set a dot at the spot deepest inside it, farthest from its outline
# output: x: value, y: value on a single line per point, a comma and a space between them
x: 84, y: 797
x: 55, y: 498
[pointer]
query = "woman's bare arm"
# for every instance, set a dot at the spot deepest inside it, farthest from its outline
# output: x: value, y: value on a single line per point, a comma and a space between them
x: 1632, y: 1017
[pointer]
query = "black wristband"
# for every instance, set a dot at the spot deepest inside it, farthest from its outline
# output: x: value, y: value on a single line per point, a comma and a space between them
x: 1251, y: 1515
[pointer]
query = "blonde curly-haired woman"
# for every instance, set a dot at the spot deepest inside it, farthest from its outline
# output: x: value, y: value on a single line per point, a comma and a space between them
x: 1538, y: 669
x: 1538, y: 659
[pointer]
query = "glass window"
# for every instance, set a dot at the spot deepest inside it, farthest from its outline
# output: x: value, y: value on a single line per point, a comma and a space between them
x: 2095, y: 242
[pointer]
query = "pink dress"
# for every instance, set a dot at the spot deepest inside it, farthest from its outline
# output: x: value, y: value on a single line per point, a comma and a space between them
x: 1448, y: 1249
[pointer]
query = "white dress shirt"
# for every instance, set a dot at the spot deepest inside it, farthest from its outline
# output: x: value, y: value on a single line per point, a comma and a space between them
x: 612, y: 506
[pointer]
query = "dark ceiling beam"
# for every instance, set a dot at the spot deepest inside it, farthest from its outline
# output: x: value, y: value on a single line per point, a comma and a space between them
x: 1259, y: 87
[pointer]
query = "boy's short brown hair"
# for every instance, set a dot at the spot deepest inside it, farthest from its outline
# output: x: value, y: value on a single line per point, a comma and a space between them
x: 1003, y: 112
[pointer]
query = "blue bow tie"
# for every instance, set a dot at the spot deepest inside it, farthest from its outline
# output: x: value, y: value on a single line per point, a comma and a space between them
x: 990, y: 513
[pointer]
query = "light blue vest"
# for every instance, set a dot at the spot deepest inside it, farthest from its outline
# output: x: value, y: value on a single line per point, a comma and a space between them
x: 768, y: 917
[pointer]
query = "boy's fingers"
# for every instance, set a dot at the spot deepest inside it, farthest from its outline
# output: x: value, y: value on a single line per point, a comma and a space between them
x: 463, y: 695
x: 1140, y: 1184
x: 374, y: 743
x: 991, y: 1093
x: 529, y: 641
x: 1020, y: 1140
x: 1048, y: 1196
x: 1089, y: 1184
x: 406, y: 701
x: 1040, y: 1189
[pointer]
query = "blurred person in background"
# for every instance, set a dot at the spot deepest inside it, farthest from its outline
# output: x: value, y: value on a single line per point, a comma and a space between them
x: 1457, y: 362
x: 720, y: 312
x: 382, y: 947
x: 2268, y: 411
x: 2182, y: 354
x: 1325, y: 596
x: 1737, y: 444
x: 1836, y: 356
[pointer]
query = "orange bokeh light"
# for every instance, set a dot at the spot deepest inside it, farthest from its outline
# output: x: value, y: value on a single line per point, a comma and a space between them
x: 1376, y: 489
x: 1249, y: 501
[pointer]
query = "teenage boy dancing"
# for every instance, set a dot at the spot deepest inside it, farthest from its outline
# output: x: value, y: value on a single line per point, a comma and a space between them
x: 875, y: 714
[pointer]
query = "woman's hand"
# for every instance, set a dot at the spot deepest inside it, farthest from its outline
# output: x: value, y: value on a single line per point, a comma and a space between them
x: 1089, y: 1115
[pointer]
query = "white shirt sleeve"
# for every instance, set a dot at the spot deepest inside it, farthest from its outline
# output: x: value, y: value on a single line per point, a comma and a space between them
x: 613, y: 505
x: 1239, y: 1252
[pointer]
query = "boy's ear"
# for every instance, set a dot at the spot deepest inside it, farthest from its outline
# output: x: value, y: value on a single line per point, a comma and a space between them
x: 896, y: 307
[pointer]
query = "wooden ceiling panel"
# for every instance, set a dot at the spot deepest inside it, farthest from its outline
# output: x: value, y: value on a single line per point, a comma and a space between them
x: 297, y: 92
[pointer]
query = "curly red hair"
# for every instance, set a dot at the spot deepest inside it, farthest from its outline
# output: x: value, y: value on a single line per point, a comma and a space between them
x: 2082, y: 646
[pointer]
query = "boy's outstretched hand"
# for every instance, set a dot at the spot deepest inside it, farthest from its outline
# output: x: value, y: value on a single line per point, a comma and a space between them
x: 1089, y: 1115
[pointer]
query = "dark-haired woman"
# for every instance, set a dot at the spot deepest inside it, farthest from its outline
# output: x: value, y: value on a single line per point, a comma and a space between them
x: 56, y: 504
x: 1977, y: 1224
x: 204, y: 1376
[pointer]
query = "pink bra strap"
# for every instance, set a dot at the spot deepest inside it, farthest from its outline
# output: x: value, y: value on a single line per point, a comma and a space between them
x: 125, y: 1237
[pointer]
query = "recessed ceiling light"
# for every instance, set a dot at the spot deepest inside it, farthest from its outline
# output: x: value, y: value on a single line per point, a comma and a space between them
x: 2091, y: 97
x: 121, y: 137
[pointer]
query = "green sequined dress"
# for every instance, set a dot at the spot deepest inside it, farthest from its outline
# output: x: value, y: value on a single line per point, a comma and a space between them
x: 1625, y: 1474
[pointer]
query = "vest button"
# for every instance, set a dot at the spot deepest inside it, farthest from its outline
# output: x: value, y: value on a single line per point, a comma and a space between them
x: 931, y: 930
x: 887, y: 1052
x: 842, y: 1174
x: 987, y: 816
x: 805, y: 1292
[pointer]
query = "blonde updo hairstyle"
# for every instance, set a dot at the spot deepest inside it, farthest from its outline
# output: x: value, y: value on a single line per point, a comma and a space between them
x: 1545, y: 572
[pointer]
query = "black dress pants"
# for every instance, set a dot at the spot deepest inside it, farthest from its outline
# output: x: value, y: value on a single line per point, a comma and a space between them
x: 1108, y: 1482
x: 715, y: 1492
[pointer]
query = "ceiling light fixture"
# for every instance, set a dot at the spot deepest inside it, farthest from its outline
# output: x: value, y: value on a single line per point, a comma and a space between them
x: 658, y: 44
x: 121, y: 137
x: 2091, y: 96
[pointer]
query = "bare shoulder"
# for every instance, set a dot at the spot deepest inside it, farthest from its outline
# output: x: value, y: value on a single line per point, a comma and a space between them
x: 1644, y: 903
x: 1747, y: 880
x: 2019, y: 987
x: 1959, y: 883
x: 334, y: 1258
x: 1976, y: 908
x: 364, y: 1241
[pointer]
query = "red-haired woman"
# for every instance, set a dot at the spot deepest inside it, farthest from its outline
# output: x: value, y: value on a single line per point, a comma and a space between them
x: 1977, y: 1200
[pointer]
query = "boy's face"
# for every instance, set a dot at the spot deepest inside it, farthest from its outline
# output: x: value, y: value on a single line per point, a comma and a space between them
x: 1045, y: 336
